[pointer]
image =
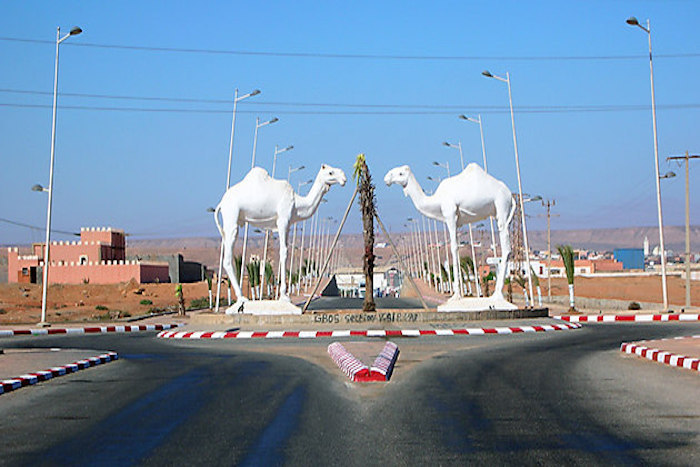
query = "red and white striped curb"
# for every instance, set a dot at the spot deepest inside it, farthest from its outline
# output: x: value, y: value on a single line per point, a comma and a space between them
x: 85, y: 330
x: 362, y: 333
x: 33, y: 378
x: 662, y: 356
x: 359, y: 372
x: 628, y: 318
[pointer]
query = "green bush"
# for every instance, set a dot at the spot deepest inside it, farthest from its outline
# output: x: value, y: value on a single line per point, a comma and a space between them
x: 146, y: 301
x: 101, y: 308
x: 634, y: 306
x: 199, y: 303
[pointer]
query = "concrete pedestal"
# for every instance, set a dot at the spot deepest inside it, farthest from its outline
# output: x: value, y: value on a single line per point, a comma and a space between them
x: 264, y: 307
x: 476, y: 304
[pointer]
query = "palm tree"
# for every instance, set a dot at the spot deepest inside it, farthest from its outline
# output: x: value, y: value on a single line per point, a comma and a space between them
x: 522, y: 282
x: 485, y: 282
x: 253, y: 268
x: 368, y: 209
x: 466, y: 264
x: 269, y: 274
x: 567, y: 256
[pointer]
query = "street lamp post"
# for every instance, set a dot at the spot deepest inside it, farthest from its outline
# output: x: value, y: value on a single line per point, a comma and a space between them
x: 45, y: 281
x: 303, y: 233
x: 632, y: 21
x: 258, y: 125
x: 517, y: 167
x: 267, y: 231
x: 486, y: 169
x: 471, y: 236
x: 236, y: 99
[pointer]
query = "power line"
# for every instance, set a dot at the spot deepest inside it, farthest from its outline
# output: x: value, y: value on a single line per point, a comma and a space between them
x: 34, y: 227
x: 351, y: 55
x: 520, y: 110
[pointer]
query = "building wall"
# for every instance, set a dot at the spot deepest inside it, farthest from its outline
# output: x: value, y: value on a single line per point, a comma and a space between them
x: 631, y: 258
x: 107, y: 272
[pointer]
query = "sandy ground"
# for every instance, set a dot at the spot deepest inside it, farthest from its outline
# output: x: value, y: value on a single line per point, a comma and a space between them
x: 21, y: 303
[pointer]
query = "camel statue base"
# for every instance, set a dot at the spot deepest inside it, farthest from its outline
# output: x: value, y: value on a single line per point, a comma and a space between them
x: 264, y: 307
x: 476, y: 304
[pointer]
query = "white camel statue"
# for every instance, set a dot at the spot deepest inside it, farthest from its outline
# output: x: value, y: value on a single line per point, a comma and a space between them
x: 468, y: 197
x: 268, y: 203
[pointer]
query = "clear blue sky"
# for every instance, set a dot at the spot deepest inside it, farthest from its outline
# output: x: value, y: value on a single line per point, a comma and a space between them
x: 155, y: 173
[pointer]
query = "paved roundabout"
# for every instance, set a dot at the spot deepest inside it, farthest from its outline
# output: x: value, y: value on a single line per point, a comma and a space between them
x: 524, y: 398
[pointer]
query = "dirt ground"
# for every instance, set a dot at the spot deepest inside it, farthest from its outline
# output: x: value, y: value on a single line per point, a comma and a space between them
x: 21, y: 303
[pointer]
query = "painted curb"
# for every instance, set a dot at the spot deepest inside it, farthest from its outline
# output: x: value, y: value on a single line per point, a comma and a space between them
x: 85, y: 330
x: 29, y: 379
x: 357, y: 371
x: 628, y: 318
x: 662, y: 356
x: 362, y: 333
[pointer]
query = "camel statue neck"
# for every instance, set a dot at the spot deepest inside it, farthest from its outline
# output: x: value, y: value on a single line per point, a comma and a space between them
x: 422, y: 202
x: 306, y: 205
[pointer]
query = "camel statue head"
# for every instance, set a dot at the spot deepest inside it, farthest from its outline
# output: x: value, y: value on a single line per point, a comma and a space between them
x: 398, y: 175
x: 331, y: 175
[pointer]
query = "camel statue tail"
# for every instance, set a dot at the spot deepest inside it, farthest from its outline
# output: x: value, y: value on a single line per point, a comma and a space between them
x: 216, y: 219
x: 511, y: 213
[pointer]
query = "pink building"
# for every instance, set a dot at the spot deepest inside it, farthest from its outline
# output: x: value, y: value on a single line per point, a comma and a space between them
x: 98, y: 258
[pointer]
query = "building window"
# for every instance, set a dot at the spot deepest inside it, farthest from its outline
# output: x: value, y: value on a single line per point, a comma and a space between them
x: 83, y: 259
x: 25, y: 271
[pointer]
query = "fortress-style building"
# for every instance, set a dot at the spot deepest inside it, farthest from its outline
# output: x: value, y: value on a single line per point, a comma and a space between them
x: 98, y: 258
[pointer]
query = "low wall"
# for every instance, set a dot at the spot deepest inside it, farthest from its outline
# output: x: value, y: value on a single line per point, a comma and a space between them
x: 379, y: 318
x: 604, y: 303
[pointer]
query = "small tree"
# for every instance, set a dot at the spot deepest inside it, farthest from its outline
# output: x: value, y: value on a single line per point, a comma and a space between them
x: 269, y: 275
x: 466, y: 264
x: 536, y: 283
x: 369, y: 212
x: 567, y: 256
x: 180, y: 300
x: 209, y: 288
x: 486, y: 282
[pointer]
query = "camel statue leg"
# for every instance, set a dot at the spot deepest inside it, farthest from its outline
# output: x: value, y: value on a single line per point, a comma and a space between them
x: 504, y: 214
x: 230, y: 235
x: 283, y: 231
x: 451, y: 222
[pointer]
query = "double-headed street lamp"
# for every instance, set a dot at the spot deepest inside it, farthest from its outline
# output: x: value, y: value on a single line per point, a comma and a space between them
x: 506, y: 80
x: 236, y: 99
x: 632, y: 21
x: 45, y: 281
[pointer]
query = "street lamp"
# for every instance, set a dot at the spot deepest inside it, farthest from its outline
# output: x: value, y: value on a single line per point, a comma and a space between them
x: 295, y: 169
x: 303, y: 233
x: 486, y: 169
x: 445, y: 166
x: 456, y: 146
x: 258, y: 125
x: 506, y: 80
x: 632, y: 21
x: 267, y: 232
x: 236, y: 99
x: 45, y: 282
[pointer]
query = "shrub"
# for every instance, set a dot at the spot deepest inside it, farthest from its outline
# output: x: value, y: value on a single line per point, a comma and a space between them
x: 101, y: 308
x: 634, y: 306
x: 146, y: 301
x: 198, y: 303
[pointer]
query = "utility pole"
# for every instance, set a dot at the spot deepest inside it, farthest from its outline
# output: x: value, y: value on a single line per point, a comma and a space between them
x: 687, y: 158
x: 548, y: 204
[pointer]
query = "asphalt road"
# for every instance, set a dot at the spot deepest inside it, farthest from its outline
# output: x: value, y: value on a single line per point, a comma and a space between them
x: 553, y: 398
